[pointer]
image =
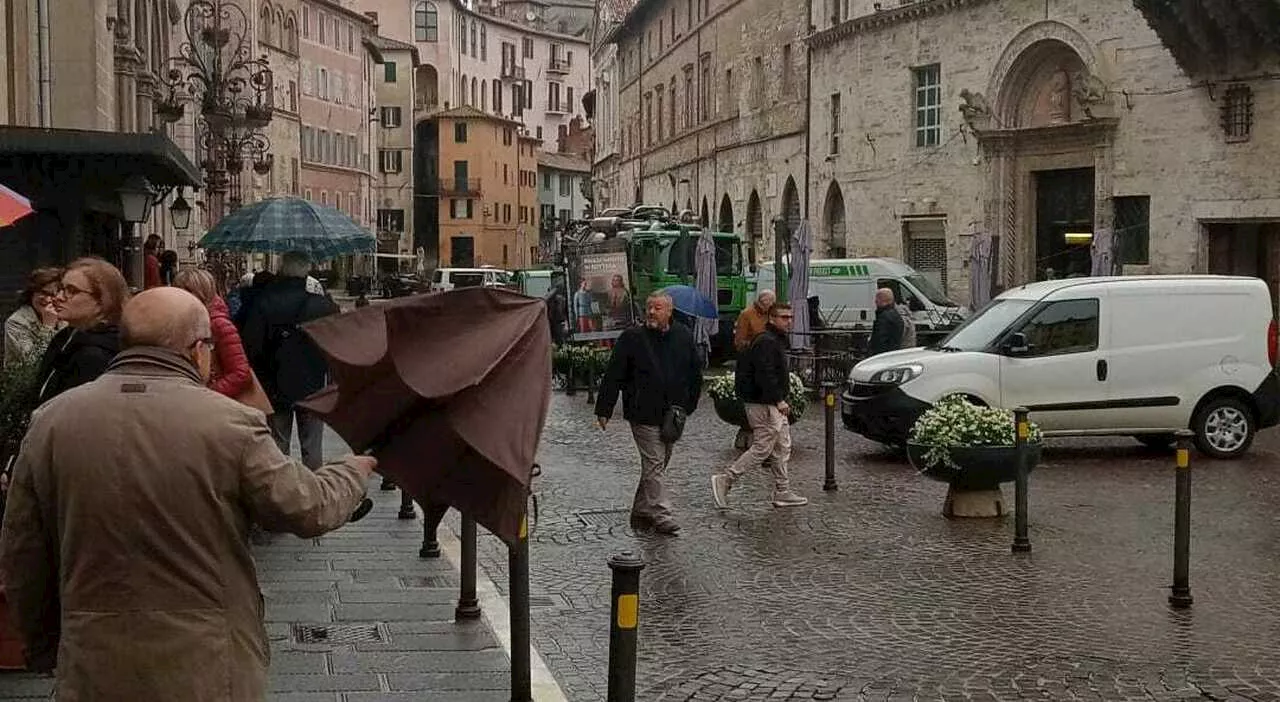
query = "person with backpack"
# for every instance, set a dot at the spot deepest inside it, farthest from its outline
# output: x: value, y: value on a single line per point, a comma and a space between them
x: 289, y: 365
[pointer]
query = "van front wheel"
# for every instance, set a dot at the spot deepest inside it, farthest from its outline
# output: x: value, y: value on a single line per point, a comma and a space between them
x: 1223, y: 428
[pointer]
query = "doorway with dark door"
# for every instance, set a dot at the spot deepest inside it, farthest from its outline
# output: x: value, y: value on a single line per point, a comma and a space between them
x: 1064, y: 223
x: 462, y: 252
x: 1246, y: 248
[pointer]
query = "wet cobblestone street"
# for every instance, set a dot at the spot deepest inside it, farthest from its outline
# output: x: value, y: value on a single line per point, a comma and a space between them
x: 868, y: 593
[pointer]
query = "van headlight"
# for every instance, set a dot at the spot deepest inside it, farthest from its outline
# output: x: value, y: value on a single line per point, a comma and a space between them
x: 897, y: 376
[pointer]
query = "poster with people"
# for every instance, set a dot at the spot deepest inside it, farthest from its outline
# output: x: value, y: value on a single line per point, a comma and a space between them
x: 601, y: 301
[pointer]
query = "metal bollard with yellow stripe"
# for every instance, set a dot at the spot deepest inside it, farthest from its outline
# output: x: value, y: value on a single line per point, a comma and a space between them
x: 829, y: 436
x: 521, y: 659
x: 1022, y: 437
x: 1180, y: 592
x: 623, y: 626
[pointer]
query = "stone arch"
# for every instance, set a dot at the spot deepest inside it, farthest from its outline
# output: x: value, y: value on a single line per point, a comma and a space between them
x: 484, y: 95
x: 462, y: 90
x: 141, y: 29
x: 265, y: 14
x: 1027, y: 59
x: 705, y: 220
x: 426, y: 86
x: 755, y: 221
x: 833, y: 222
x: 791, y: 205
x: 159, y: 38
x: 474, y: 90
x: 726, y: 215
x: 291, y: 32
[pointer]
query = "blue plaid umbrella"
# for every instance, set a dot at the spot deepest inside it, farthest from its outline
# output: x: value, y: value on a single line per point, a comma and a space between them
x: 284, y: 224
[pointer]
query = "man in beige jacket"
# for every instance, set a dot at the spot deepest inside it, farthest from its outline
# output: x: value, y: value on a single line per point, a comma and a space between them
x: 125, y: 541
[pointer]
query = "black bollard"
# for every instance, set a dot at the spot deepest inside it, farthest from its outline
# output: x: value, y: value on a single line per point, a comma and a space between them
x: 829, y: 431
x: 406, y: 506
x: 518, y: 568
x: 1021, y: 541
x: 468, y: 604
x: 432, y: 514
x: 623, y: 623
x: 1180, y: 597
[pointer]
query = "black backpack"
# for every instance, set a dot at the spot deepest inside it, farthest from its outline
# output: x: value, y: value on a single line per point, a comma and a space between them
x: 298, y: 368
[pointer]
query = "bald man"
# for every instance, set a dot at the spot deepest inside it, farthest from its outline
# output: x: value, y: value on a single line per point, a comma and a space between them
x: 125, y: 540
x: 887, y: 330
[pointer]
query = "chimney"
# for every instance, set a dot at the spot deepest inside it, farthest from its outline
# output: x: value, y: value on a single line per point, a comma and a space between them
x: 373, y: 16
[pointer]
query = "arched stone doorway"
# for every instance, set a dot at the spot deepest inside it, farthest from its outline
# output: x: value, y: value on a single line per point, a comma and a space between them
x: 1048, y: 137
x: 755, y: 225
x: 833, y: 218
x: 791, y: 205
x: 726, y: 215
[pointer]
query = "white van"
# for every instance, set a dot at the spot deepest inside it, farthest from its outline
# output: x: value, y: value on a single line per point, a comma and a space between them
x: 1144, y: 356
x: 846, y: 292
x: 450, y: 278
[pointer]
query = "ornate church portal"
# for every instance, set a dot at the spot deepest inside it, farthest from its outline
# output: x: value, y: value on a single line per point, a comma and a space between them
x: 1047, y: 138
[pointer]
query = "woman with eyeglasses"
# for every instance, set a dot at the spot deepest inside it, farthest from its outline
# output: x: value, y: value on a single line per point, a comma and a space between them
x: 92, y: 295
x: 28, y: 330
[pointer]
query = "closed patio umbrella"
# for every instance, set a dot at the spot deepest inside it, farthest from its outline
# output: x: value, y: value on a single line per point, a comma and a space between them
x: 705, y: 265
x: 798, y: 286
x: 980, y: 270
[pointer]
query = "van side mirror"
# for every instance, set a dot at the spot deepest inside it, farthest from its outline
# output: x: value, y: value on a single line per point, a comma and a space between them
x: 1016, y: 345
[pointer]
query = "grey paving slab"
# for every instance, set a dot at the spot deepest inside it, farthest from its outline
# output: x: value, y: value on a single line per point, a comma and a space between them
x: 432, y: 642
x: 455, y: 696
x: 398, y: 595
x: 449, y: 681
x: 294, y: 663
x: 22, y: 686
x: 393, y: 612
x: 491, y: 660
x: 358, y: 682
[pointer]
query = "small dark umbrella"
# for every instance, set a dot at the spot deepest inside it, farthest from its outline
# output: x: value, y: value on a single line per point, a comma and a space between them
x: 449, y: 391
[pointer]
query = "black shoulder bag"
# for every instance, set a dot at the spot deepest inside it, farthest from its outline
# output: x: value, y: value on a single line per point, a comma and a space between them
x: 673, y: 416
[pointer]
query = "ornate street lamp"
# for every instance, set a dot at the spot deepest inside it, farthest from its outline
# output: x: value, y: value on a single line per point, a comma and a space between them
x: 180, y: 212
x: 216, y: 72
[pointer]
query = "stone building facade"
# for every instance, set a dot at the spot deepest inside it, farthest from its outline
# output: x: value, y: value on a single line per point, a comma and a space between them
x: 279, y: 34
x: 711, y: 104
x: 1071, y: 136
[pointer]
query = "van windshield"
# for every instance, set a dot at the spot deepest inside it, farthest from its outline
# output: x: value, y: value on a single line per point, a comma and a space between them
x: 980, y: 330
x: 929, y: 290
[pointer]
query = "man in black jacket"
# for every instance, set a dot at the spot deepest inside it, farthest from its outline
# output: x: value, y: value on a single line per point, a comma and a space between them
x: 887, y: 331
x: 287, y: 362
x: 763, y: 383
x: 654, y: 367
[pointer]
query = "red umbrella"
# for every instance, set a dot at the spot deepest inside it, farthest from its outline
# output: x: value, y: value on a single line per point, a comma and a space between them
x: 13, y: 206
x: 449, y: 391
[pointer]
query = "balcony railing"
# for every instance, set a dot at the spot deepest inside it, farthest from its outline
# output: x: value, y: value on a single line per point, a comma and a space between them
x: 558, y: 109
x: 510, y: 71
x: 558, y: 65
x: 454, y: 187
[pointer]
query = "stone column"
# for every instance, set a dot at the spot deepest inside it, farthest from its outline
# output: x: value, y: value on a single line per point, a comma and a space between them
x: 146, y: 87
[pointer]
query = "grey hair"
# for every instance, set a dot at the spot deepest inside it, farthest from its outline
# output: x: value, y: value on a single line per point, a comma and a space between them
x: 295, y: 264
x: 662, y: 295
x: 766, y: 291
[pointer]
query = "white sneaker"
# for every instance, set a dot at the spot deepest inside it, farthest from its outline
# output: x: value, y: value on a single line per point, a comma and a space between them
x: 789, y: 499
x: 720, y: 486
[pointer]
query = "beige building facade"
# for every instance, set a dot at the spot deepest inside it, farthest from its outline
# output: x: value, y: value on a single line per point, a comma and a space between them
x: 711, y: 110
x: 393, y: 189
x: 1070, y: 136
x: 279, y: 34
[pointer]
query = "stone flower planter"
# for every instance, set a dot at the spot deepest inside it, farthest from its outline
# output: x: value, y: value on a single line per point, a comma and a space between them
x: 974, y: 479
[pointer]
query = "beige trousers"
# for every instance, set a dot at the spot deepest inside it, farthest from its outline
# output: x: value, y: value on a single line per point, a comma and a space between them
x: 770, y: 439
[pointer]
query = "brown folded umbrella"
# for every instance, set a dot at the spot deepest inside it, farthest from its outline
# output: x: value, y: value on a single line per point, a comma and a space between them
x: 449, y: 391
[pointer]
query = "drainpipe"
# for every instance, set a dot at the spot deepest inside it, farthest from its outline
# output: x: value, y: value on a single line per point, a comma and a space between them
x: 808, y: 103
x: 44, y: 98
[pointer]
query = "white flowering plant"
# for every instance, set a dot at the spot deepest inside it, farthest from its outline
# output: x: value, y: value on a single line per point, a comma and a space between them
x: 579, y: 360
x: 955, y: 422
x: 721, y: 387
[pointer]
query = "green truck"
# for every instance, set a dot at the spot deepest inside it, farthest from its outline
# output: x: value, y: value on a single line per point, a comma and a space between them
x: 645, y: 249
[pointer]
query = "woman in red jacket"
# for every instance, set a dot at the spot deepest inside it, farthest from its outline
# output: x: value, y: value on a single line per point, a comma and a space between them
x: 232, y: 375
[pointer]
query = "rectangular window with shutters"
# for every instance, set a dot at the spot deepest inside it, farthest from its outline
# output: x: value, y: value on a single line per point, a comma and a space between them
x: 389, y: 160
x: 389, y: 71
x: 323, y: 25
x: 390, y: 116
x: 460, y: 132
x: 565, y: 184
x: 704, y: 87
x: 926, y: 248
x: 293, y: 176
x: 568, y: 99
x: 391, y: 220
x: 730, y: 99
x: 526, y: 45
x: 757, y: 82
x: 788, y: 84
x: 1132, y: 242
x: 461, y: 209
x: 293, y: 96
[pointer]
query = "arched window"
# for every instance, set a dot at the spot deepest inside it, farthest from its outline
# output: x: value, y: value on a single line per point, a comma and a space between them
x: 484, y: 95
x: 462, y: 90
x: 475, y: 99
x: 484, y: 50
x: 426, y: 22
x: 291, y: 33
x: 277, y: 29
x: 473, y: 38
x: 264, y: 24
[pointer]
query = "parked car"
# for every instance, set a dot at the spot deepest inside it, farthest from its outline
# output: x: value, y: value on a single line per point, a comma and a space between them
x: 1145, y: 356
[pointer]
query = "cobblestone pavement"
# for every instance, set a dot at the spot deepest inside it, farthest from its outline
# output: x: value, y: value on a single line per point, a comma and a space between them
x: 869, y: 594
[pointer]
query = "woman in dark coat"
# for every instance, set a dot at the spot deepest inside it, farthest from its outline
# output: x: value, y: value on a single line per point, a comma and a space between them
x: 92, y: 297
